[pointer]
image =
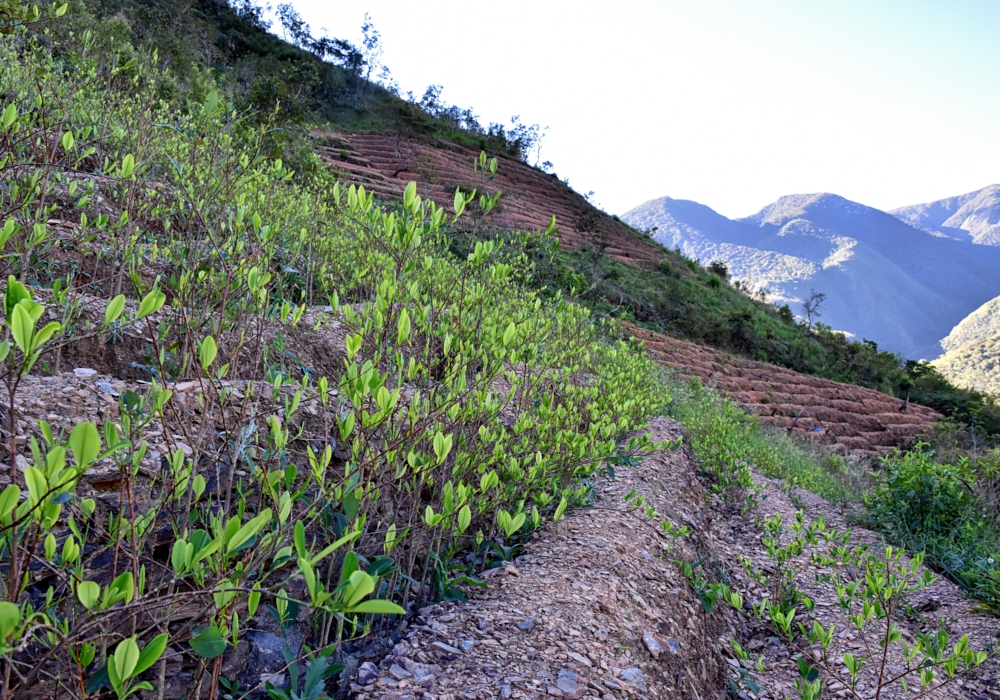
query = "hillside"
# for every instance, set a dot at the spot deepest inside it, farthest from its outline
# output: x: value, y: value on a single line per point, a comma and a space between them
x: 848, y: 418
x: 884, y: 280
x: 265, y: 433
x: 384, y: 163
x: 972, y: 217
x: 974, y: 365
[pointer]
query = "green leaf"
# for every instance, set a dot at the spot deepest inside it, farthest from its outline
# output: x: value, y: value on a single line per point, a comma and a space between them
x: 9, y: 116
x: 509, y: 335
x: 209, y: 644
x: 125, y: 659
x: 61, y: 10
x: 10, y: 618
x: 85, y: 444
x: 384, y: 607
x: 207, y: 352
x: 560, y: 509
x: 8, y: 500
x: 299, y: 535
x: 464, y: 518
x: 43, y: 336
x: 16, y: 293
x: 254, y: 600
x: 211, y: 103
x: 128, y: 167
x: 198, y: 486
x: 249, y: 530
x: 330, y: 549
x: 361, y: 585
x: 151, y: 303
x: 22, y: 328
x: 37, y: 485
x: 114, y: 309
x: 151, y: 653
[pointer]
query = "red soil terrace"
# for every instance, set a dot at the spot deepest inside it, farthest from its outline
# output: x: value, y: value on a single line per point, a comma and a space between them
x: 849, y: 417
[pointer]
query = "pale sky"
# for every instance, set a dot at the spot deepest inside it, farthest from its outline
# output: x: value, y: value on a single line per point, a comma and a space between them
x: 727, y: 102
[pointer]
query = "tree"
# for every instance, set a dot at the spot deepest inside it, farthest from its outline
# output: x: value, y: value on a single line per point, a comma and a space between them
x: 811, y: 305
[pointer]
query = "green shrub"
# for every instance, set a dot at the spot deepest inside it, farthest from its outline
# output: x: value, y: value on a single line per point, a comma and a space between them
x: 927, y: 506
x: 454, y: 410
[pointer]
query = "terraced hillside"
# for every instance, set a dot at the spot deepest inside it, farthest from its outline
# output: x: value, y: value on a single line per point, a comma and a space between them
x: 385, y: 163
x: 849, y: 418
x: 845, y: 416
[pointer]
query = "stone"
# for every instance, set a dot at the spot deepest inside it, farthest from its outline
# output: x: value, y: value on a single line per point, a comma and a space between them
x: 569, y: 687
x: 420, y: 672
x: 466, y: 645
x: 367, y: 673
x: 446, y: 648
x: 278, y: 680
x: 399, y: 673
x: 655, y: 646
x: 579, y: 658
x: 526, y: 625
x: 84, y: 372
x: 633, y: 676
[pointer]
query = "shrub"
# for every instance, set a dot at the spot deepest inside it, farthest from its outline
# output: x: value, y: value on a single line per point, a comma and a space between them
x: 936, y: 508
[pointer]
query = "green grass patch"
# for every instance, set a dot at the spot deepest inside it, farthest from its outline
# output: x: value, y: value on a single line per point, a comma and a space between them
x: 728, y: 443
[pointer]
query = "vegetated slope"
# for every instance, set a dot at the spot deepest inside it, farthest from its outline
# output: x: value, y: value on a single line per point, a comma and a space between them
x: 884, y: 280
x: 241, y: 435
x: 973, y: 217
x: 847, y: 417
x: 856, y: 419
x: 981, y: 324
x: 286, y: 85
x: 974, y: 365
x: 972, y: 350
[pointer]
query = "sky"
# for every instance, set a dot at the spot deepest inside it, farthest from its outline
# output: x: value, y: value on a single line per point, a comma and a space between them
x: 726, y: 102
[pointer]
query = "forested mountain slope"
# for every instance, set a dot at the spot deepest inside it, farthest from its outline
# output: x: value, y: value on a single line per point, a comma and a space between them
x: 884, y: 280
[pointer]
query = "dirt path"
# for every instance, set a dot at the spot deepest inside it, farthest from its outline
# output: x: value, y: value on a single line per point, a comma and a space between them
x: 591, y: 610
x: 595, y: 608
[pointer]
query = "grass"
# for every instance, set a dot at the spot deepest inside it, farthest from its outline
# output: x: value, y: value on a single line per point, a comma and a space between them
x: 728, y: 443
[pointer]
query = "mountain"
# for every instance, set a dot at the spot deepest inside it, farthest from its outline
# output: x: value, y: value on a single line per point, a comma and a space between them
x: 973, y: 217
x: 884, y: 279
x: 972, y: 350
x: 974, y: 365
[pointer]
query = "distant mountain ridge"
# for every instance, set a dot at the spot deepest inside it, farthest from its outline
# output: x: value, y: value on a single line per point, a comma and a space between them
x: 973, y: 217
x: 885, y: 279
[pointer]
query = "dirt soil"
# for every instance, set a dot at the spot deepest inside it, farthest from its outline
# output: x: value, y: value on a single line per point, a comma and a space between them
x: 598, y: 607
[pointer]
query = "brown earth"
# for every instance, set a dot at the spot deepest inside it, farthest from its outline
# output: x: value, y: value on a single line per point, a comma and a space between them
x: 386, y: 163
